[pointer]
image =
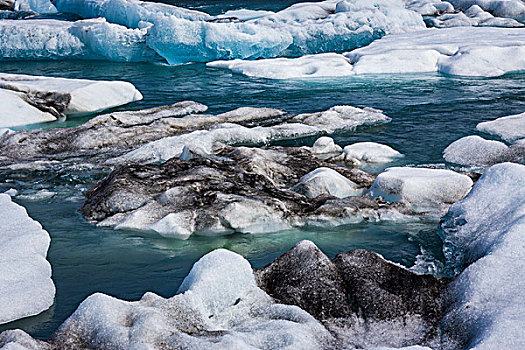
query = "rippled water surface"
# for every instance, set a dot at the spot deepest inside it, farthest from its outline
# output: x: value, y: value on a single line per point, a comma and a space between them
x: 428, y: 113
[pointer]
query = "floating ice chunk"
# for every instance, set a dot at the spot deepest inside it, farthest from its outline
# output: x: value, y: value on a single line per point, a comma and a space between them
x: 474, y: 16
x: 180, y: 40
x: 370, y: 152
x: 337, y: 118
x: 429, y: 7
x: 325, y: 145
x: 326, y: 181
x: 321, y: 65
x: 39, y: 6
x: 26, y: 288
x: 73, y: 96
x: 510, y: 128
x: 90, y: 39
x: 458, y: 51
x: 475, y: 151
x: 129, y: 13
x: 16, y: 110
x: 486, y: 230
x: 426, y: 190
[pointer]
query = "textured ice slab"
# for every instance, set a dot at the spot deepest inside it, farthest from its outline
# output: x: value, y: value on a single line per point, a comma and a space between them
x: 456, y: 51
x: 26, y: 288
x: 180, y: 35
x: 473, y: 16
x: 326, y: 181
x: 475, y: 151
x: 369, y: 152
x: 486, y: 230
x: 71, y: 96
x: 338, y: 118
x: 510, y: 128
x: 16, y: 110
x: 90, y: 39
x: 425, y: 190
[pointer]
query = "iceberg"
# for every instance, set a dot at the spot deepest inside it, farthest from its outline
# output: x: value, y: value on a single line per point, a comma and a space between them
x: 509, y: 128
x: 369, y: 152
x: 180, y: 35
x: 467, y: 51
x: 484, y: 231
x: 26, y: 288
x: 425, y: 190
x: 514, y: 9
x: 31, y: 99
x: 38, y: 6
x: 89, y: 39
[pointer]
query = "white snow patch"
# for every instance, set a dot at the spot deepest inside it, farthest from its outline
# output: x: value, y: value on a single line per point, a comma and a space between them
x: 475, y: 151
x: 326, y: 181
x: 369, y: 152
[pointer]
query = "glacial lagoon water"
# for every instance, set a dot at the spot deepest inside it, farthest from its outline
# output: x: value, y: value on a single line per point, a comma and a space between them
x: 428, y: 112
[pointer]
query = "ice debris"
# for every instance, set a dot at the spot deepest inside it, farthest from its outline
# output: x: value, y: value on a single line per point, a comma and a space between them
x: 509, y: 128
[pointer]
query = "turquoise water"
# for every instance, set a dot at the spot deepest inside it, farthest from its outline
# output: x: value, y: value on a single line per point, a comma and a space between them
x: 428, y: 112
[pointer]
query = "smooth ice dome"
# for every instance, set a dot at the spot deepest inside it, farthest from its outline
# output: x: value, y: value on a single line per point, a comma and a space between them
x: 467, y: 51
x: 31, y: 99
x: 510, y: 128
x: 475, y: 151
x: 325, y: 145
x: 369, y: 152
x: 486, y: 230
x: 26, y: 288
x: 424, y: 189
x: 326, y: 181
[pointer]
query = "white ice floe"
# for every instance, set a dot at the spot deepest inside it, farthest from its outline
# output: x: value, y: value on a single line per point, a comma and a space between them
x: 480, y: 51
x: 26, y: 288
x: 219, y: 306
x: 369, y: 152
x: 473, y: 16
x: 425, y: 190
x: 510, y: 128
x: 91, y: 39
x: 309, y: 66
x: 27, y: 99
x: 338, y: 118
x: 326, y: 181
x: 16, y: 110
x: 180, y: 35
x: 486, y: 231
x: 475, y: 151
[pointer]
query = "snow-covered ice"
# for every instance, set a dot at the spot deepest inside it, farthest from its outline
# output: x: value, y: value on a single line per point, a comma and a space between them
x: 467, y: 51
x: 514, y: 9
x: 426, y: 190
x: 369, y: 152
x: 31, y: 99
x: 475, y: 151
x: 26, y: 288
x: 326, y: 181
x: 486, y: 230
x: 325, y: 145
x: 510, y: 128
x: 38, y: 6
